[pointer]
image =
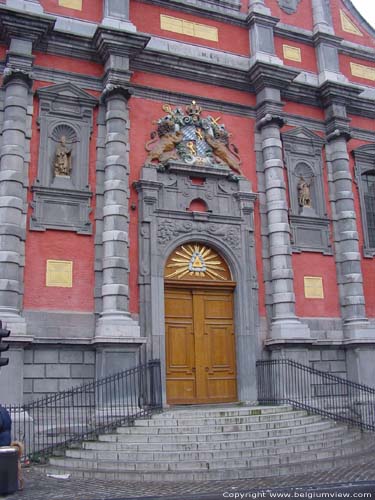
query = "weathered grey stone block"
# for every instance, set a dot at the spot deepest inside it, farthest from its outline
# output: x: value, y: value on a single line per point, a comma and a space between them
x: 46, y: 385
x: 46, y: 356
x: 89, y: 357
x: 28, y: 356
x: 82, y: 371
x: 67, y: 384
x: 315, y: 355
x: 34, y: 371
x: 58, y: 371
x: 338, y: 366
x: 324, y: 366
x: 70, y: 356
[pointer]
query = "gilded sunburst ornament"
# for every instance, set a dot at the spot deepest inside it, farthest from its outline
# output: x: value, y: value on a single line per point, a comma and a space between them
x: 197, y: 261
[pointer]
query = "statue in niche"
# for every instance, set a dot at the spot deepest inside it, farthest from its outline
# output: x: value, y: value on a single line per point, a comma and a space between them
x: 63, y: 158
x: 304, y: 195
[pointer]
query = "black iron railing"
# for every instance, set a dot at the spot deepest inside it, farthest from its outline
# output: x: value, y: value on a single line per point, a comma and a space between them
x: 58, y: 420
x: 285, y: 381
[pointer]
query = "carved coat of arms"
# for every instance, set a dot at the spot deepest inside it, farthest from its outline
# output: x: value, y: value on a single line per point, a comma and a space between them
x: 188, y: 137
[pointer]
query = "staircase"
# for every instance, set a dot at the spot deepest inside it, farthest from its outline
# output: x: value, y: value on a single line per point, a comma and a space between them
x: 226, y: 442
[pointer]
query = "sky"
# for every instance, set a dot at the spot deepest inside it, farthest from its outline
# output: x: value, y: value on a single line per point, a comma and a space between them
x: 367, y: 9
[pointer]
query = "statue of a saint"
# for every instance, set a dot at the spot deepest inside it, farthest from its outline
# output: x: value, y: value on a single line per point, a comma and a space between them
x: 304, y: 196
x: 62, y: 163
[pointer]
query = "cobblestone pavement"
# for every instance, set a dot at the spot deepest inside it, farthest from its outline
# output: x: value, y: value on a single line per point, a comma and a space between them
x: 40, y: 487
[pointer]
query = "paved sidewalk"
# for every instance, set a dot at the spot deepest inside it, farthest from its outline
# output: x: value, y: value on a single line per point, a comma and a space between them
x: 40, y: 487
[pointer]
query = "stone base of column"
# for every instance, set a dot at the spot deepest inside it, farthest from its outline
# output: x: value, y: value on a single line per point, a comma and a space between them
x: 360, y: 363
x: 289, y: 329
x: 359, y: 331
x: 112, y: 327
x: 115, y: 358
x: 12, y: 377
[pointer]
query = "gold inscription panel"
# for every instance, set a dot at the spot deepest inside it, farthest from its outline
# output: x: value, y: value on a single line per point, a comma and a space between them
x: 362, y: 71
x: 71, y: 4
x: 59, y: 273
x: 313, y: 287
x: 177, y: 25
x: 348, y: 25
x: 292, y: 53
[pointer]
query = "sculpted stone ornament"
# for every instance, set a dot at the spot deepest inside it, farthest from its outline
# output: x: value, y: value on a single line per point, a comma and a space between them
x: 289, y: 6
x: 188, y: 137
x: 62, y: 164
x: 304, y: 196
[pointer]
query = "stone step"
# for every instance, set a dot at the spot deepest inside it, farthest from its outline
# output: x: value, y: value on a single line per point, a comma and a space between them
x: 229, y: 427
x: 221, y: 411
x: 218, y: 436
x: 290, y: 468
x: 233, y: 419
x: 211, y: 466
x: 179, y: 456
x: 327, y: 436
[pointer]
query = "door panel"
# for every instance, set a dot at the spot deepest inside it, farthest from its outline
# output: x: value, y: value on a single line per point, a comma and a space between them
x: 200, y: 346
x: 180, y: 347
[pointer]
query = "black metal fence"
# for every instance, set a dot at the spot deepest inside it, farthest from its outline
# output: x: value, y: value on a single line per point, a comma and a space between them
x: 285, y: 381
x: 60, y: 419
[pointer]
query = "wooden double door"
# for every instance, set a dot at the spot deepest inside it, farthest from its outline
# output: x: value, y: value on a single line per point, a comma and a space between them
x: 200, y: 345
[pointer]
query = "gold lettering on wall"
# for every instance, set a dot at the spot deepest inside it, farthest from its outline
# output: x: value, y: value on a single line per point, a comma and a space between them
x: 292, y: 53
x: 313, y: 287
x: 71, y: 4
x: 59, y: 273
x: 362, y: 71
x: 348, y: 25
x: 177, y: 25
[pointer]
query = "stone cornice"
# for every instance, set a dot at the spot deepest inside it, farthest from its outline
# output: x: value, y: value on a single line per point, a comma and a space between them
x: 262, y: 75
x: 190, y: 69
x: 323, y: 37
x: 262, y: 19
x: 212, y: 11
x: 108, y: 41
x: 337, y: 92
x: 24, y: 25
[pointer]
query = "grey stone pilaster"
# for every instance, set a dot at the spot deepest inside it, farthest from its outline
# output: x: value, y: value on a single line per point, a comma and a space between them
x: 321, y: 16
x: 13, y: 183
x: 348, y: 259
x: 284, y: 321
x: 115, y: 320
x: 268, y: 79
x: 258, y: 6
x: 261, y: 25
x: 347, y: 254
x: 116, y: 48
x: 116, y: 15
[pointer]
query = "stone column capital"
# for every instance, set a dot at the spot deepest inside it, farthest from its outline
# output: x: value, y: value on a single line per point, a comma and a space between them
x: 270, y: 119
x: 116, y: 90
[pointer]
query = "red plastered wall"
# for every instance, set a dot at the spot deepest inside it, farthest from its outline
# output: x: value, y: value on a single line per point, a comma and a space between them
x: 366, y: 39
x: 302, y: 18
x: 308, y: 57
x: 314, y: 264
x: 346, y: 69
x: 59, y: 245
x: 231, y: 38
x: 68, y: 64
x: 368, y: 264
x: 303, y: 110
x: 92, y: 10
x: 143, y: 114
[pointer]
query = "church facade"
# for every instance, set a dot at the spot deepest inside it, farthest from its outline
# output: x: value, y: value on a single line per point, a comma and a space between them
x: 192, y: 180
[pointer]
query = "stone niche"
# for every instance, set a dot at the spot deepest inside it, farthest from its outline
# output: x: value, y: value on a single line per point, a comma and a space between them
x: 308, y: 216
x: 61, y: 194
